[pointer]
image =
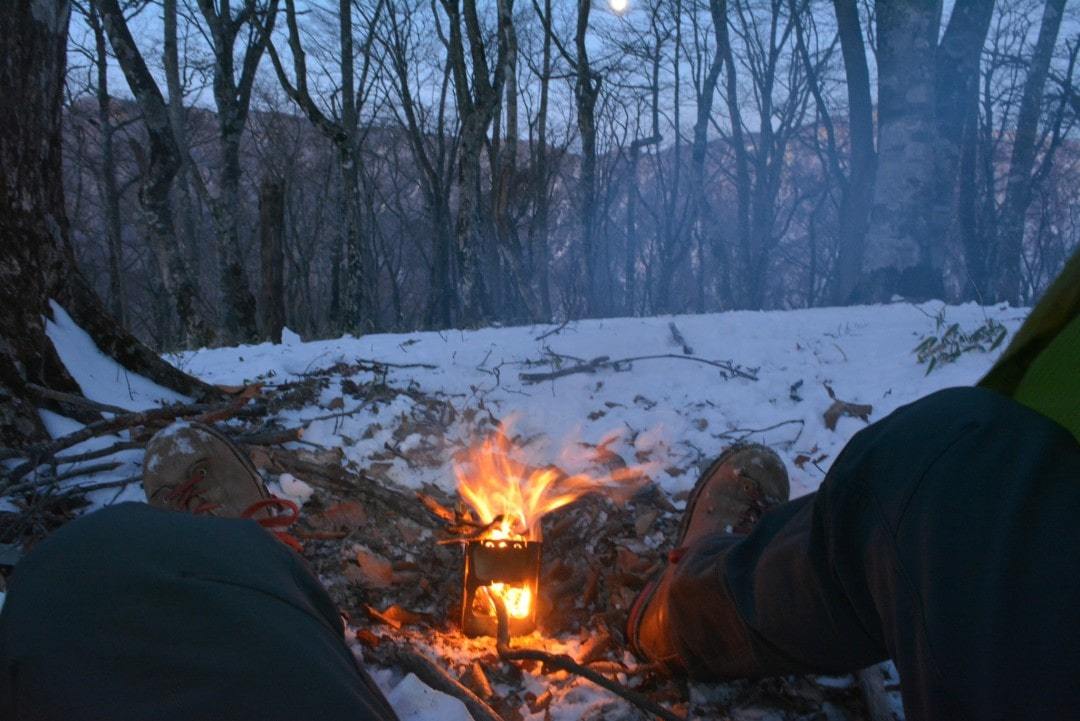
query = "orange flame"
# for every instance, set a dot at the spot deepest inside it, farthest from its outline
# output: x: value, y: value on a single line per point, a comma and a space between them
x: 499, y: 486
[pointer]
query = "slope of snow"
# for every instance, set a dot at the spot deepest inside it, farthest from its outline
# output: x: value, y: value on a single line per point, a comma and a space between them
x: 101, y: 378
x: 679, y: 411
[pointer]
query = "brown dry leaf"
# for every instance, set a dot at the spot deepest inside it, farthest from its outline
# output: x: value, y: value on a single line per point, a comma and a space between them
x: 367, y: 638
x: 629, y: 562
x: 843, y: 408
x: 645, y: 521
x: 323, y: 457
x: 595, y: 648
x: 396, y: 616
x: 375, y: 571
x: 343, y: 516
x: 542, y: 702
x: 336, y: 404
x: 262, y: 458
x: 476, y: 681
x: 801, y: 460
x: 436, y: 509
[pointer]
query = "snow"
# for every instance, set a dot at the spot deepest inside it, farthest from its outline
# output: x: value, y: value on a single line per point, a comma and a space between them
x: 101, y: 378
x: 674, y: 412
x: 412, y: 700
x: 680, y: 412
x: 293, y: 489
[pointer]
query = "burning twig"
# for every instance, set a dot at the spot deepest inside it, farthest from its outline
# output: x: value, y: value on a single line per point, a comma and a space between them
x: 563, y: 662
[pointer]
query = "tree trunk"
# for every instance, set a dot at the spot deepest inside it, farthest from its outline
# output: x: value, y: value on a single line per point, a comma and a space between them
x: 586, y: 92
x: 899, y: 227
x: 157, y: 178
x: 272, y: 256
x: 858, y: 191
x: 1018, y: 189
x: 109, y: 190
x: 36, y: 261
x: 922, y: 86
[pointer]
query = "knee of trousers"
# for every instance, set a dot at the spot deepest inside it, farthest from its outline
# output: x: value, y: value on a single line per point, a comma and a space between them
x: 890, y: 458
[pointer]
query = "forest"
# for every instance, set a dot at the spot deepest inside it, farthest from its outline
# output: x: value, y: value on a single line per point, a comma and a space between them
x: 232, y: 168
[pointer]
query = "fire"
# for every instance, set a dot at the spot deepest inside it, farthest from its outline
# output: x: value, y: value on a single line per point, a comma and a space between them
x: 518, y: 599
x: 509, y: 498
x: 508, y: 493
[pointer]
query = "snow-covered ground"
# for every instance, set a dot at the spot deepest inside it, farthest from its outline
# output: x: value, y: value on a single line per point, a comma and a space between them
x: 676, y: 411
x: 863, y: 353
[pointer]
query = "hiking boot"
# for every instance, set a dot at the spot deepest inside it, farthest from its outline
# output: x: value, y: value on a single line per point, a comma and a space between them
x: 195, y: 468
x: 729, y: 497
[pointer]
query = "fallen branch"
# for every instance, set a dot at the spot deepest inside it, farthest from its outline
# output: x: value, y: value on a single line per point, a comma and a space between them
x: 740, y: 434
x: 388, y: 364
x: 47, y: 482
x: 553, y: 331
x: 270, y: 438
x: 563, y: 662
x: 74, y: 399
x: 428, y: 672
x: 728, y: 368
x: 99, y: 453
x: 41, y: 452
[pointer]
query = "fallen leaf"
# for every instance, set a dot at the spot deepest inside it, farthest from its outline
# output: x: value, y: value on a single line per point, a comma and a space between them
x: 476, y: 680
x: 367, y: 638
x: 396, y: 616
x: 376, y: 571
x: 843, y: 408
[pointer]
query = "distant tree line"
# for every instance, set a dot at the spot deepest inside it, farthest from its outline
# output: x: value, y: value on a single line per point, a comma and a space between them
x: 374, y: 165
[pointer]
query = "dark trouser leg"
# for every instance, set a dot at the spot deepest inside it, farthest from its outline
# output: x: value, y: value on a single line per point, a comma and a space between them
x: 138, y: 613
x: 946, y: 536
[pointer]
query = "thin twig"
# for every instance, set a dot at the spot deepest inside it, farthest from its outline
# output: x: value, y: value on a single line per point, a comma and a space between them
x: 99, y: 453
x: 553, y: 331
x: 565, y: 663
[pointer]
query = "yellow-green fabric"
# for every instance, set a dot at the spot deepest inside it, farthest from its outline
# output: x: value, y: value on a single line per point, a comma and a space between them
x: 1041, y: 366
x: 1052, y: 383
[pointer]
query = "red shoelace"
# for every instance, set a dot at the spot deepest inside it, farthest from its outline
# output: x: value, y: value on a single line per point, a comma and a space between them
x: 188, y: 491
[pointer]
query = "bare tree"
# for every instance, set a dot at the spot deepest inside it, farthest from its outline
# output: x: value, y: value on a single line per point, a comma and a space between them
x: 1018, y: 189
x: 342, y: 128
x: 232, y: 97
x: 160, y: 170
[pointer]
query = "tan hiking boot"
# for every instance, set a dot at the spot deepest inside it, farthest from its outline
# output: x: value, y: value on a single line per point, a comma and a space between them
x: 729, y: 497
x: 195, y: 468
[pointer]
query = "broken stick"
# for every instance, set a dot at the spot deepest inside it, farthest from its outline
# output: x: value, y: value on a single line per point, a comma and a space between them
x: 565, y: 663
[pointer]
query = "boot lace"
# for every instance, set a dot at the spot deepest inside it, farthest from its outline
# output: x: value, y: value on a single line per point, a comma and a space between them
x: 183, y: 495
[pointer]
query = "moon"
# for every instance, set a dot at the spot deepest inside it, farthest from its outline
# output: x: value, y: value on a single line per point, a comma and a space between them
x: 619, y: 6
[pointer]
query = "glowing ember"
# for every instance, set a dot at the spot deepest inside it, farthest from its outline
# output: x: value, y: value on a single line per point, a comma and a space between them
x: 518, y: 600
